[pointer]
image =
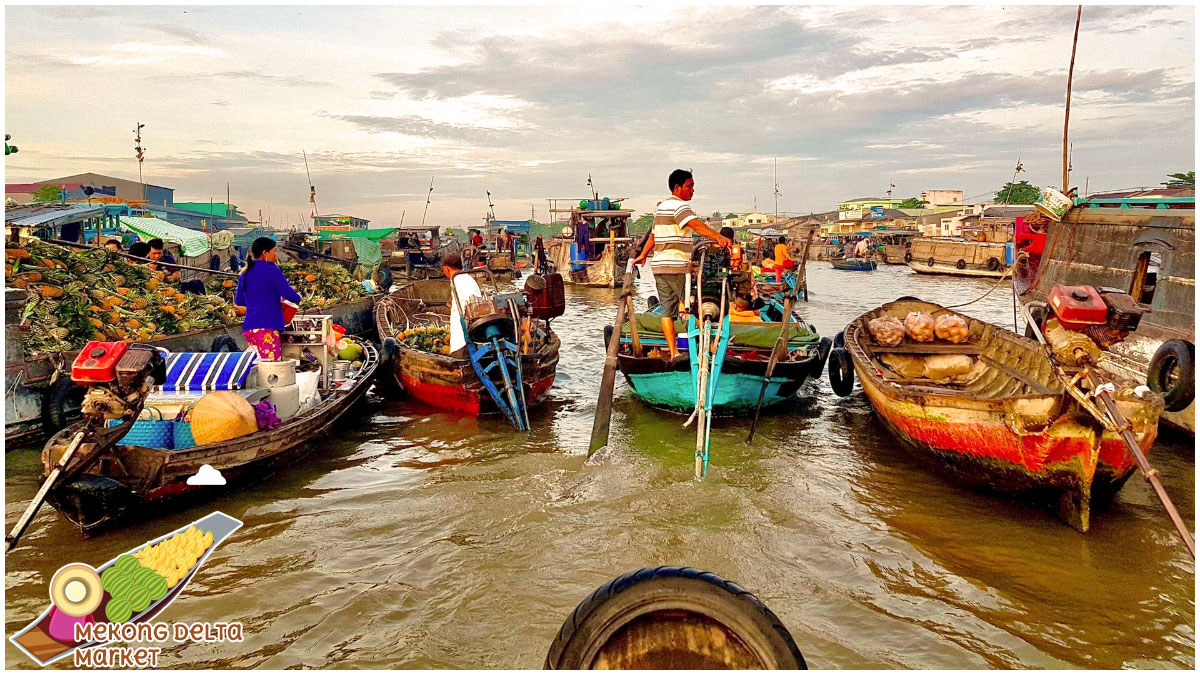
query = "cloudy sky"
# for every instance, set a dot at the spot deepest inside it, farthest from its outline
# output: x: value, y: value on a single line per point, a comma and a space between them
x: 527, y: 101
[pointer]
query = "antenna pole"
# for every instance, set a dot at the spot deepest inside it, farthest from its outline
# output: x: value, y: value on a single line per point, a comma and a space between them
x: 1067, y: 116
x: 312, y: 190
x: 428, y: 198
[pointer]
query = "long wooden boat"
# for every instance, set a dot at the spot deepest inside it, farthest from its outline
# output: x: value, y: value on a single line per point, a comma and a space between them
x: 443, y: 381
x: 38, y: 644
x: 601, y: 263
x: 29, y: 379
x: 854, y: 264
x: 1008, y: 425
x: 669, y: 385
x: 1147, y: 248
x: 985, y: 259
x: 131, y: 479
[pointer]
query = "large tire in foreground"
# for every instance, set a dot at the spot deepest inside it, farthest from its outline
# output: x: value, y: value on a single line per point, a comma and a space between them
x: 1172, y: 374
x: 841, y: 372
x: 667, y: 617
x: 224, y: 343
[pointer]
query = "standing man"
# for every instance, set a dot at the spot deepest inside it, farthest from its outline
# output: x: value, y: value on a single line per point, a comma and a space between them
x: 783, y: 260
x: 467, y: 290
x: 672, y: 247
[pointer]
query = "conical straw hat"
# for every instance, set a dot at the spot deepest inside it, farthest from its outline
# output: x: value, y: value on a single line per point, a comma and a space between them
x: 220, y: 416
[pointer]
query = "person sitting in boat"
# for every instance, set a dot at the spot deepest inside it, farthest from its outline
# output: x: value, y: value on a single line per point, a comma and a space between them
x: 261, y: 288
x: 862, y: 248
x: 467, y: 290
x: 735, y: 250
x: 743, y: 311
x: 672, y: 248
x: 159, y: 254
x: 113, y: 246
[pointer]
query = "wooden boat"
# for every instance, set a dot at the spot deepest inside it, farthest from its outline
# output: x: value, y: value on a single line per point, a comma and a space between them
x: 854, y: 264
x: 133, y: 480
x: 34, y: 398
x: 1146, y: 247
x: 986, y: 259
x: 38, y: 644
x: 444, y: 381
x: 669, y: 385
x: 1008, y: 425
x: 601, y: 262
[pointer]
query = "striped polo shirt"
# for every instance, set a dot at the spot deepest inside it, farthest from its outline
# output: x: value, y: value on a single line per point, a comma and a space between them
x: 672, y: 243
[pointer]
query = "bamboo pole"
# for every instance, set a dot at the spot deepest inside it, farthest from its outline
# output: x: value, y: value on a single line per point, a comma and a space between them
x: 1067, y: 117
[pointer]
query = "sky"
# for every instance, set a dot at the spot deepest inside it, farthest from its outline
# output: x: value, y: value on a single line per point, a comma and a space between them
x: 526, y: 102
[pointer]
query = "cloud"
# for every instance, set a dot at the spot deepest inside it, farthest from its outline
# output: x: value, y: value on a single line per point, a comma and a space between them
x: 252, y: 76
x: 207, y: 475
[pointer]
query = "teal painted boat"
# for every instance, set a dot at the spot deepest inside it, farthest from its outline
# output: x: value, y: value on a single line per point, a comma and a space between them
x: 670, y: 385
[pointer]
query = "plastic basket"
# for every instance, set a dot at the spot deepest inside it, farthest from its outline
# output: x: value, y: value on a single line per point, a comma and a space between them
x: 158, y: 434
x: 182, y: 435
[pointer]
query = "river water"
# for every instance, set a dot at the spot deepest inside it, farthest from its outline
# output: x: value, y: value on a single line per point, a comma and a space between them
x: 413, y: 538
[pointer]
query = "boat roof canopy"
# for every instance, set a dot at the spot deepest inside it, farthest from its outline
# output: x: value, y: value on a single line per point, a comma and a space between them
x: 373, y: 234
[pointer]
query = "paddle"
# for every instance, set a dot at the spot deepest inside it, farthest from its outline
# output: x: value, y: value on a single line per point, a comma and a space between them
x: 23, y: 522
x: 600, y: 424
x: 781, y: 342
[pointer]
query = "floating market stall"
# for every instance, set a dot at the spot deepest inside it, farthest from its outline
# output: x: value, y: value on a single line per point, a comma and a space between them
x: 58, y: 299
x: 189, y: 247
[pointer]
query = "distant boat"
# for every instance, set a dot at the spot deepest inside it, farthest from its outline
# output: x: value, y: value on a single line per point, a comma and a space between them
x: 854, y: 264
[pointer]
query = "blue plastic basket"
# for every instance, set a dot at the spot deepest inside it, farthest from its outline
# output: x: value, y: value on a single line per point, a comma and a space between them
x: 183, y: 436
x: 158, y: 434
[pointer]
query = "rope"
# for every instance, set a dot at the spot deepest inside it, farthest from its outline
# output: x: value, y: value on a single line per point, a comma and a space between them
x: 1011, y: 272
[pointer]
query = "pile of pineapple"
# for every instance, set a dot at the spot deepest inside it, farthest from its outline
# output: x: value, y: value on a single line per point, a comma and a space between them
x: 432, y: 339
x: 319, y: 286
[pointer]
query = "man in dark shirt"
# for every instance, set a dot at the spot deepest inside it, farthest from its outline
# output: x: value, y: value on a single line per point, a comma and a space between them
x: 159, y: 254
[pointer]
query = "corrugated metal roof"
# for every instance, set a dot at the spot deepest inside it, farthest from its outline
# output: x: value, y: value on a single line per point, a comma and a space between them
x: 49, y: 215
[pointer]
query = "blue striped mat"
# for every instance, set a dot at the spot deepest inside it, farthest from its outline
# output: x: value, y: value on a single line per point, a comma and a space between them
x: 208, y: 371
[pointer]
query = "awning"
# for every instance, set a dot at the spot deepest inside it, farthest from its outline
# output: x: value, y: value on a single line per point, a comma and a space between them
x: 191, y: 243
x: 767, y: 232
x: 373, y: 234
x: 52, y: 216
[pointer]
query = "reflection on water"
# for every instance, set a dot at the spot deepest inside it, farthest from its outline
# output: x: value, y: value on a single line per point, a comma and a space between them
x: 414, y: 538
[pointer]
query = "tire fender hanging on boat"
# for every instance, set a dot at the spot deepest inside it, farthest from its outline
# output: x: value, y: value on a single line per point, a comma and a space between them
x: 841, y: 372
x: 1172, y: 374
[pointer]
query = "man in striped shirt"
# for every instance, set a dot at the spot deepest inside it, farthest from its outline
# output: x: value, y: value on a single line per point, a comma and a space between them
x: 672, y: 247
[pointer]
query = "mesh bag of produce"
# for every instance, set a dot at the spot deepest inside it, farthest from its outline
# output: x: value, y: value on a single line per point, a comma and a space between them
x: 951, y: 328
x: 887, y: 330
x: 919, y: 327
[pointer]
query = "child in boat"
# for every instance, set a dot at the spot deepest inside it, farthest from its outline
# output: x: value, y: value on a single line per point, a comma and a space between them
x: 742, y: 311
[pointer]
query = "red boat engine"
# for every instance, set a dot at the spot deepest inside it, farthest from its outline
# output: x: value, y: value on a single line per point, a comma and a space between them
x: 119, y: 377
x: 1083, y: 320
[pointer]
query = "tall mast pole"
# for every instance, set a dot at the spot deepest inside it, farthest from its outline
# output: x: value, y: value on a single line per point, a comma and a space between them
x: 137, y: 145
x: 428, y: 198
x: 1067, y: 116
x: 312, y: 190
x: 776, y: 189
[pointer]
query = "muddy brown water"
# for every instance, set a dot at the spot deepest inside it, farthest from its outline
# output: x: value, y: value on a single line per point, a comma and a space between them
x: 413, y: 538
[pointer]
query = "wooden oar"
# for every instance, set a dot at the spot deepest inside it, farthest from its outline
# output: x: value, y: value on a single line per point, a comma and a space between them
x: 781, y: 342
x: 603, y: 418
x: 23, y: 522
x: 1125, y: 429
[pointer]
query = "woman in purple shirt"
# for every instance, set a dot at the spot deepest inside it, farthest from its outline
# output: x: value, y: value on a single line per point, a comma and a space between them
x: 261, y: 289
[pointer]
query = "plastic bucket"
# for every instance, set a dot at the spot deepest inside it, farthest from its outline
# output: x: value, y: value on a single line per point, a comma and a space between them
x: 289, y: 311
x: 1053, y: 204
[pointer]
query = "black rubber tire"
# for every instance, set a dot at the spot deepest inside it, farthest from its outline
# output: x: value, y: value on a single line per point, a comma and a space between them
x: 994, y: 264
x: 841, y: 372
x: 1178, y: 356
x: 1038, y: 311
x: 60, y: 404
x: 930, y: 262
x: 961, y: 264
x: 883, y: 257
x: 823, y: 348
x: 621, y: 601
x: 839, y: 340
x: 385, y: 279
x: 908, y: 256
x: 224, y: 343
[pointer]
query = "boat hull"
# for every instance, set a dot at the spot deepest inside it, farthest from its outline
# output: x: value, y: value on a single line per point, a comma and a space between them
x: 1011, y: 427
x: 854, y: 267
x: 1055, y: 466
x: 451, y: 384
x: 132, y: 480
x: 951, y: 270
x: 671, y: 387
